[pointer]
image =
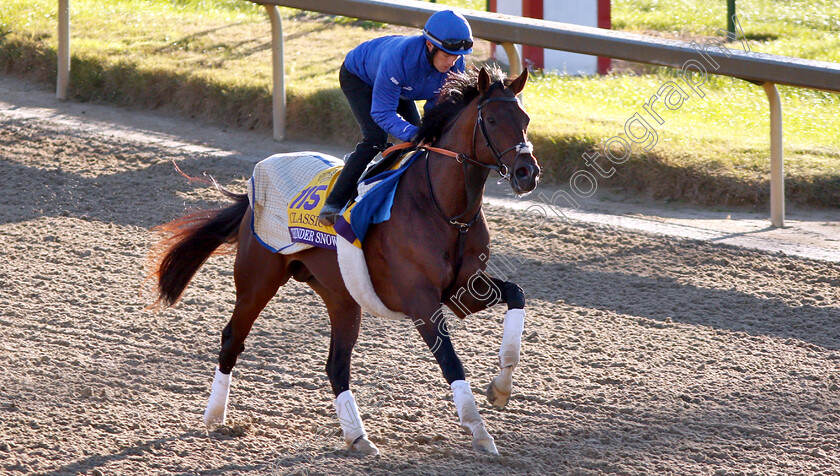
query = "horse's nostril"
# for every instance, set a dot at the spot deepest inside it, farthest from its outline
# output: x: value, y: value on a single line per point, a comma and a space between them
x: 522, y: 173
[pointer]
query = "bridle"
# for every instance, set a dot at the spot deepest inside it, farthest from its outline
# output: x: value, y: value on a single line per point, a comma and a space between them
x: 524, y: 147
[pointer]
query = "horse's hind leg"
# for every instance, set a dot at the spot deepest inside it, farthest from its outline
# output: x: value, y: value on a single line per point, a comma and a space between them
x: 258, y: 273
x: 345, y: 321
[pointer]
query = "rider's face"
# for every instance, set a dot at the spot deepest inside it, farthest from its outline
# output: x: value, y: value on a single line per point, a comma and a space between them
x: 442, y: 60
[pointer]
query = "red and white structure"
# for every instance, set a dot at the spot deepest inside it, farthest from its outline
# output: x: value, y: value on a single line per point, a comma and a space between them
x: 595, y: 13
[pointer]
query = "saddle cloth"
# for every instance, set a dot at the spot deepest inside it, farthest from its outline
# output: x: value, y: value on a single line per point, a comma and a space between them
x: 287, y: 192
x: 280, y: 181
x: 374, y: 201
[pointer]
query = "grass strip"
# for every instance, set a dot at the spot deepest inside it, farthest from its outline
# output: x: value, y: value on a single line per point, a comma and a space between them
x: 211, y: 60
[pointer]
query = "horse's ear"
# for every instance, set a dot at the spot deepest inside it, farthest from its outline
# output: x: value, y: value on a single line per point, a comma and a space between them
x: 518, y: 84
x: 483, y: 81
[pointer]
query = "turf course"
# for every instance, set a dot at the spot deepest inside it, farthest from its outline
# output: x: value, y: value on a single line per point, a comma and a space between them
x: 211, y: 59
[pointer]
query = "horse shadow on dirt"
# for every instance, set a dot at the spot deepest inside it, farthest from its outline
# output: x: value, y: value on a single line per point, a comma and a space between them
x: 663, y: 439
x: 663, y: 298
x: 150, y: 448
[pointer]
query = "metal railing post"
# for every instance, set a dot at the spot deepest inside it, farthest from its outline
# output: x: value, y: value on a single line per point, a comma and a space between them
x: 777, y: 171
x: 515, y: 60
x: 730, y: 20
x: 63, y: 74
x: 278, y: 90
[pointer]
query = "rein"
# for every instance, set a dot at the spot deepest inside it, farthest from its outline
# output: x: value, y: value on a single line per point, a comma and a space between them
x: 462, y: 227
x: 524, y: 147
x: 461, y: 158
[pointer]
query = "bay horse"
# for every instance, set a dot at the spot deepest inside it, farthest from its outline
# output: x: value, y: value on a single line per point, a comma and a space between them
x: 432, y: 252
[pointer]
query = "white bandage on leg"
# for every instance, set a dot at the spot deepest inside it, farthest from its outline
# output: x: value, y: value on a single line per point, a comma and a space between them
x: 465, y: 404
x: 348, y: 416
x: 216, y: 409
x: 512, y: 338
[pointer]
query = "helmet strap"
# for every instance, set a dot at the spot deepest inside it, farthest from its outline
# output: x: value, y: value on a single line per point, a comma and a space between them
x: 430, y: 53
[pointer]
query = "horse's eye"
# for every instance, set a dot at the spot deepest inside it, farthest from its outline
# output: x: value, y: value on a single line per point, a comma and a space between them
x: 491, y: 120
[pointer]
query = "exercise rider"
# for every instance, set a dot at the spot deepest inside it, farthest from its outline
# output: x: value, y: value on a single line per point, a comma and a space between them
x: 382, y: 78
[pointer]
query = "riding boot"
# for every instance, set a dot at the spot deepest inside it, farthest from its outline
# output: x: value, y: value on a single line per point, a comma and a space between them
x: 346, y: 182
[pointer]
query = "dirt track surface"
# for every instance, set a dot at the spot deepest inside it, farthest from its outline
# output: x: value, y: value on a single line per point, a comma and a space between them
x: 641, y: 354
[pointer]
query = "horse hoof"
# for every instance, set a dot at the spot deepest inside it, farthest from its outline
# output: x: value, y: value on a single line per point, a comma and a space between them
x: 214, y: 417
x: 364, y: 446
x: 496, y: 397
x: 482, y: 441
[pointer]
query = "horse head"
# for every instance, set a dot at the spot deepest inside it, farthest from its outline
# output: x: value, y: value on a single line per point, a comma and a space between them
x: 503, y: 124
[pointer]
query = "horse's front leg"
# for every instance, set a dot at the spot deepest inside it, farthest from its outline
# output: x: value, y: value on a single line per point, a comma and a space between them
x: 479, y: 293
x: 426, y: 311
x: 500, y: 388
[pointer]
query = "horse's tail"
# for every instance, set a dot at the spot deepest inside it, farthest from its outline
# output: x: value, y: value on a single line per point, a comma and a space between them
x: 191, y: 240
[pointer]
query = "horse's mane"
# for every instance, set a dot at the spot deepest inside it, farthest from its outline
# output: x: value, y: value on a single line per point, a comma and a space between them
x: 458, y: 91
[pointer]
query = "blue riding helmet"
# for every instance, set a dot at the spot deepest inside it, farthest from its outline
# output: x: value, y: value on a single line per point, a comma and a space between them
x: 450, y: 32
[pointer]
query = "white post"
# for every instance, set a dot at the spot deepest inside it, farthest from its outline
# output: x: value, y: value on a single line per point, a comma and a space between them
x: 63, y: 77
x: 515, y: 60
x: 777, y: 171
x: 278, y: 91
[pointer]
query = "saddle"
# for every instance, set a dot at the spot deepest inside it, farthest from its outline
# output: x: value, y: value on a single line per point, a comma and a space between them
x: 371, y: 203
x: 389, y: 156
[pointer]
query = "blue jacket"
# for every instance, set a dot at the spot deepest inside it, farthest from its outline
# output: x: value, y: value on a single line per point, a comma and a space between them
x: 396, y: 68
